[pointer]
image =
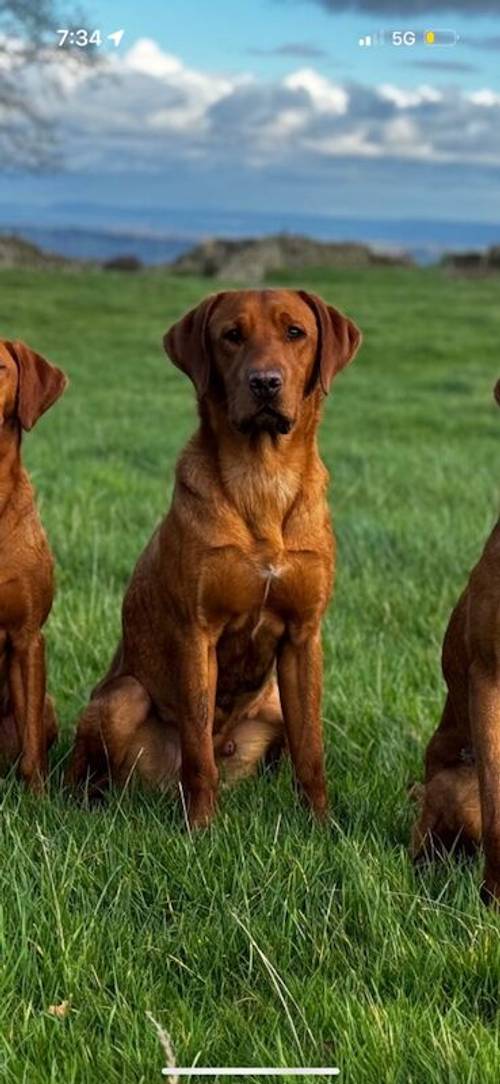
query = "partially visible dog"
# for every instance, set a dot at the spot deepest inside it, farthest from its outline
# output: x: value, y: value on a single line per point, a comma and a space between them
x: 461, y: 796
x: 220, y: 654
x: 29, y: 385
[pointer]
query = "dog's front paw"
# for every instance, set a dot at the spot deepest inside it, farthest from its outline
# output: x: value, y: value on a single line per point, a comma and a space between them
x: 318, y: 801
x: 33, y: 774
x: 201, y: 807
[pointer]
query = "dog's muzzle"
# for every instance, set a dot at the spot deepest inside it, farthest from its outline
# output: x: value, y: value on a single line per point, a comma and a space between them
x: 266, y: 420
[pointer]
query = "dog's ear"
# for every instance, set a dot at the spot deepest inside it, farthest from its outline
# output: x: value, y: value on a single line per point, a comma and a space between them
x: 40, y: 383
x: 338, y: 339
x: 187, y: 343
x: 496, y: 392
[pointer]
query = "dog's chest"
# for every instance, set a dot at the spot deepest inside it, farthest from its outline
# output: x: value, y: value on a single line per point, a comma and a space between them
x: 257, y: 609
x: 238, y: 587
x: 25, y: 572
x: 263, y: 589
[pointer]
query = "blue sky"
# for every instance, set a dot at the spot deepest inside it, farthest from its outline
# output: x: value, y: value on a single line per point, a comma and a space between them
x: 272, y: 105
x: 228, y: 35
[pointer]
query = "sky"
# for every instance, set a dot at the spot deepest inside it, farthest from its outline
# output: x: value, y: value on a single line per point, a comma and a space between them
x: 265, y: 105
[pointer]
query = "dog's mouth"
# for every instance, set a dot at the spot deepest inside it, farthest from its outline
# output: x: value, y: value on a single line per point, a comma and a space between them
x: 266, y: 420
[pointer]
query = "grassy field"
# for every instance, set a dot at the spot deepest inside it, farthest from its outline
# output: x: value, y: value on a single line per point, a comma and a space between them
x: 264, y: 941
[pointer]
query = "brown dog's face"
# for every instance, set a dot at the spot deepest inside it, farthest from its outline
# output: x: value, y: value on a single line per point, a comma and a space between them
x: 29, y: 384
x: 263, y: 348
x: 260, y: 353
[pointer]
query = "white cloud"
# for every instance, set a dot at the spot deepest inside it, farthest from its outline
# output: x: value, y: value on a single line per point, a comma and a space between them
x: 283, y: 126
x: 154, y: 112
x: 325, y: 96
x: 404, y: 138
x: 355, y: 144
x: 194, y: 91
x: 485, y: 97
x: 404, y: 98
x: 147, y: 57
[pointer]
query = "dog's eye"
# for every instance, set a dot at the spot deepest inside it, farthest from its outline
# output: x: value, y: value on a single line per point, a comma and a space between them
x: 294, y: 332
x: 233, y: 335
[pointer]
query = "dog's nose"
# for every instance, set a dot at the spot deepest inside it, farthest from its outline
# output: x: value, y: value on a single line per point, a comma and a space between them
x: 265, y: 384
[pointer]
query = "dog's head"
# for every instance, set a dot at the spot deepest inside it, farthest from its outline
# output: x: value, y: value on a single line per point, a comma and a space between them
x: 29, y: 384
x: 496, y: 392
x: 261, y: 353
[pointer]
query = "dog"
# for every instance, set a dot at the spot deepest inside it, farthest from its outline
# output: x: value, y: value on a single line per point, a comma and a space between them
x: 461, y: 796
x: 220, y: 655
x: 29, y: 385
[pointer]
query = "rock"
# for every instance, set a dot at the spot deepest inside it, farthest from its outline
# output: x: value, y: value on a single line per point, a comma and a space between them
x: 464, y: 261
x: 123, y: 263
x: 473, y: 262
x: 251, y: 259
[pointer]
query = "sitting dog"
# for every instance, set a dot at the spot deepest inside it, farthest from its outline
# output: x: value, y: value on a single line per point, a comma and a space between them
x: 220, y: 654
x: 29, y: 385
x: 461, y: 796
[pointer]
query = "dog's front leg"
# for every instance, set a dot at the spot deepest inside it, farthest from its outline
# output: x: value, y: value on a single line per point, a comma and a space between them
x: 197, y: 676
x: 28, y: 696
x: 485, y: 723
x: 300, y: 675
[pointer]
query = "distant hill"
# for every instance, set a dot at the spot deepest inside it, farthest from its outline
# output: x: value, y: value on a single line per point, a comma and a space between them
x: 14, y: 252
x: 250, y: 259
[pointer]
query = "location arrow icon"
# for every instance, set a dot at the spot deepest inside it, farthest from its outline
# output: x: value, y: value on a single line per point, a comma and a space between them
x: 116, y: 37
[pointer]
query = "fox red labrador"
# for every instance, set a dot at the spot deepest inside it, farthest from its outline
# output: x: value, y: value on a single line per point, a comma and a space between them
x: 220, y: 656
x: 460, y: 800
x: 29, y: 385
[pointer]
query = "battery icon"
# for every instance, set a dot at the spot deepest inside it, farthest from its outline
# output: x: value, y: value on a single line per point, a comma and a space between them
x: 440, y: 37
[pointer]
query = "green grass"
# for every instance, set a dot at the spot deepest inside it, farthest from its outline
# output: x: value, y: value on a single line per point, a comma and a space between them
x: 264, y: 940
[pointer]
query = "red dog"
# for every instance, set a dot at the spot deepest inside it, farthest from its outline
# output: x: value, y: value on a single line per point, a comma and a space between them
x: 29, y: 385
x: 460, y: 799
x: 221, y: 644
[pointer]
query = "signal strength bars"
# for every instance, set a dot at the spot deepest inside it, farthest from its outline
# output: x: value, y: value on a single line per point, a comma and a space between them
x: 372, y: 39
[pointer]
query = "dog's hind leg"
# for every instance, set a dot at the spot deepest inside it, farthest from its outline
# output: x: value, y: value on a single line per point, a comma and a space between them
x: 449, y: 812
x: 451, y: 740
x: 105, y: 732
x: 485, y: 716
